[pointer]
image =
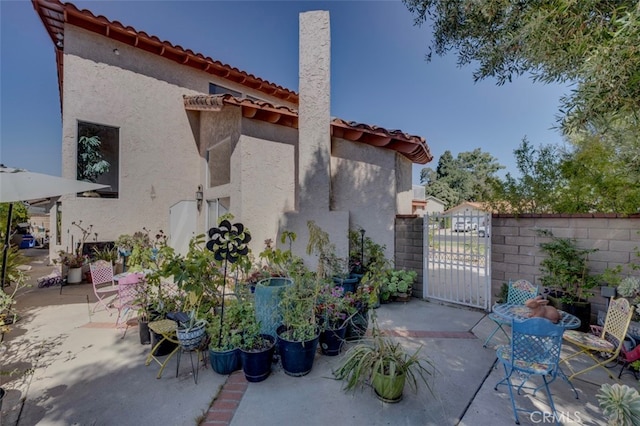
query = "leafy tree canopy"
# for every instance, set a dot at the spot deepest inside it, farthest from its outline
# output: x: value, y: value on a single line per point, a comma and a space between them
x: 18, y: 215
x: 594, y: 44
x: 468, y: 177
x: 535, y: 190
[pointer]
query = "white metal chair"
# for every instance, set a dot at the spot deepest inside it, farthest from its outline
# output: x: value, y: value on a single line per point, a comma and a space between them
x: 519, y: 292
x: 103, y: 284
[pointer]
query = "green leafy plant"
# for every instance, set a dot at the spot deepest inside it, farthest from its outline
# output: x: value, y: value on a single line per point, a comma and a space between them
x: 376, y: 272
x: 91, y: 164
x: 226, y: 332
x: 565, y: 269
x: 384, y: 356
x: 13, y: 277
x: 333, y: 309
x: 620, y: 404
x: 71, y: 260
x: 198, y: 277
x: 320, y: 245
x: 298, y: 307
x: 252, y: 338
x: 401, y: 280
x: 109, y: 254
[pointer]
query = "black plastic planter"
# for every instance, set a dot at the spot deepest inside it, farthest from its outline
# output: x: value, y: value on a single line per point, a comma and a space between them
x: 257, y: 365
x: 297, y: 357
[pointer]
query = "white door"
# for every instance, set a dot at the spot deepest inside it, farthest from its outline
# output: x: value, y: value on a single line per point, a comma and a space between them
x: 182, y: 224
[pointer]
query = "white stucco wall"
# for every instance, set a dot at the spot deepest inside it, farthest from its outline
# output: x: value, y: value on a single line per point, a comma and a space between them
x: 263, y: 188
x: 363, y: 181
x: 141, y: 94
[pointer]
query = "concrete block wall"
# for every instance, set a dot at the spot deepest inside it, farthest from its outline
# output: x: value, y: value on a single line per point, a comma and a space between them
x: 409, y: 247
x: 515, y: 253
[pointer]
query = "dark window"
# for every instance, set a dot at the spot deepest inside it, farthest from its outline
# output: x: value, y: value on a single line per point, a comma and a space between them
x: 214, y: 89
x: 98, y: 157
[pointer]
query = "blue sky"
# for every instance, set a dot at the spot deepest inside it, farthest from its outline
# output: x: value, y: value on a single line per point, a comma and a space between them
x: 379, y: 74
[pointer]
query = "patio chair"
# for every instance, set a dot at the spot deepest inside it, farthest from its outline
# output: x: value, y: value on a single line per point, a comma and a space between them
x: 130, y: 287
x: 605, y: 348
x: 534, y: 351
x: 519, y: 292
x: 103, y: 284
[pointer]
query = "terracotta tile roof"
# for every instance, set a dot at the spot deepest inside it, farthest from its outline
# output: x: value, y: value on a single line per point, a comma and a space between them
x: 413, y: 147
x: 54, y: 14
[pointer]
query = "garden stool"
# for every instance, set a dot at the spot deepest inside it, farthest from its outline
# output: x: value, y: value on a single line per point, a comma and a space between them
x: 167, y: 329
x: 201, y: 356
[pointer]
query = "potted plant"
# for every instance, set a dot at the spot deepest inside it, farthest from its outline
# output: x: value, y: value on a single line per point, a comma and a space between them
x: 73, y: 262
x: 299, y: 333
x: 333, y: 312
x: 256, y: 348
x: 200, y: 282
x: 401, y: 283
x: 565, y: 273
x: 376, y: 276
x: 620, y: 404
x: 385, y: 365
x: 359, y: 303
x: 275, y: 268
x: 225, y: 334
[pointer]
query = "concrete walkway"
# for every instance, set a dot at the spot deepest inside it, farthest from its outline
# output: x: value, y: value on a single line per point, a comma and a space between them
x: 63, y: 365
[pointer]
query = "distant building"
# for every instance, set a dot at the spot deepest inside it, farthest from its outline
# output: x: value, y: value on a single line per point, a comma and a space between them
x: 422, y: 204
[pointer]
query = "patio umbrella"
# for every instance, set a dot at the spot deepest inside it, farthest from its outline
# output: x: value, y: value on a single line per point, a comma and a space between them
x: 22, y: 185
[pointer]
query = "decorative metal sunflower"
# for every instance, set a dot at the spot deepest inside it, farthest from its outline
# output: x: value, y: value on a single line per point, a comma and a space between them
x: 228, y: 242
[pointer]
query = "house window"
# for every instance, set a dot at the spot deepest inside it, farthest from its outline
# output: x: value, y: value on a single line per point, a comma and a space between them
x: 98, y: 157
x: 217, y: 208
x: 219, y: 163
x: 214, y: 89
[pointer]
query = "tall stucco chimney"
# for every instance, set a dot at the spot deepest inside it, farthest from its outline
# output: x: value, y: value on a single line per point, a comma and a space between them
x: 314, y: 143
x: 314, y: 152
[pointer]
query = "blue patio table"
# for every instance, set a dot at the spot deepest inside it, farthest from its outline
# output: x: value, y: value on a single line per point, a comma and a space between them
x: 511, y: 311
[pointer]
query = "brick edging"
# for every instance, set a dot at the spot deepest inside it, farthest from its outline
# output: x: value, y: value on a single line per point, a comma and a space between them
x: 226, y: 403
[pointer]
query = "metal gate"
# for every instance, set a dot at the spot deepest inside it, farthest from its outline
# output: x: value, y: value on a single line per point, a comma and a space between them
x: 457, y: 263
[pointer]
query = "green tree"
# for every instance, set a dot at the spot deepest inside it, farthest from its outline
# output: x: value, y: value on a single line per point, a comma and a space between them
x: 468, y: 177
x: 536, y: 189
x: 599, y: 176
x: 592, y: 43
x: 91, y: 163
x: 18, y: 215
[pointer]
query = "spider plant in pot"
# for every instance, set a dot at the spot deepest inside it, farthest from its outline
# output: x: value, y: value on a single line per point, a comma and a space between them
x: 298, y: 335
x: 385, y: 365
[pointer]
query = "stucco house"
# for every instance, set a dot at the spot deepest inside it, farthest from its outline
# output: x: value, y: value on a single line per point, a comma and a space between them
x: 186, y: 138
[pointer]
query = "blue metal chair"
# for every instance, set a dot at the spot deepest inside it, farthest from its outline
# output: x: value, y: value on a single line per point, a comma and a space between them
x: 534, y: 350
x: 519, y: 292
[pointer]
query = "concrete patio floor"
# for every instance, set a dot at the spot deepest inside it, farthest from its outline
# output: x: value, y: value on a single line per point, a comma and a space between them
x: 63, y: 365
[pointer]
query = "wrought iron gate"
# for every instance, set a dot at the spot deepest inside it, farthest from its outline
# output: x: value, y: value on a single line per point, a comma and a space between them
x: 457, y: 264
